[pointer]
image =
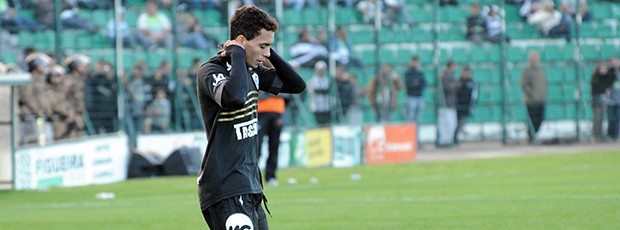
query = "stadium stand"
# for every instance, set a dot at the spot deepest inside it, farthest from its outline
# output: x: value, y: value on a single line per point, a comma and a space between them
x: 599, y: 40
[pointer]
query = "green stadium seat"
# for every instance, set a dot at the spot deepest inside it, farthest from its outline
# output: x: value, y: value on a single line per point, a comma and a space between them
x: 348, y: 16
x: 421, y: 35
x: 69, y: 39
x: 552, y: 53
x: 588, y: 30
x: 590, y: 53
x: 404, y: 56
x: 209, y: 18
x: 606, y: 30
x: 512, y: 13
x: 293, y: 17
x: 570, y: 74
x: 555, y: 74
x: 314, y: 16
x: 365, y: 35
x: 136, y: 3
x: 600, y: 11
x: 444, y: 56
x: 481, y: 54
x: 608, y: 50
x: 131, y: 16
x: 451, y: 33
x: 368, y: 57
x: 26, y: 38
x: 101, y: 17
x: 8, y: 57
x: 420, y: 15
x: 461, y: 55
x: 44, y: 40
x: 26, y: 13
x: 289, y: 37
x: 387, y: 56
x: 516, y: 54
x: 425, y: 55
x: 452, y: 14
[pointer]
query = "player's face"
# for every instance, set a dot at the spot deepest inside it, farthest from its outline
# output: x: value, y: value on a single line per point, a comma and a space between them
x: 257, y: 49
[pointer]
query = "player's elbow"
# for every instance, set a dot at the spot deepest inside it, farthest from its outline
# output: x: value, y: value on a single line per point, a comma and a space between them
x: 233, y: 102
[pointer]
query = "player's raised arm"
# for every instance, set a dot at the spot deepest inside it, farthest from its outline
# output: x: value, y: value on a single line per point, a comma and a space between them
x: 292, y: 82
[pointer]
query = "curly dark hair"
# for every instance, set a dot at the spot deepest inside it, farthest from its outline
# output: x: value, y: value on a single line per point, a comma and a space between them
x: 249, y: 20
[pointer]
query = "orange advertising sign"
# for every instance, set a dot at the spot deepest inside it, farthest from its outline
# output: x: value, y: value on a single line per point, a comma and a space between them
x: 390, y: 143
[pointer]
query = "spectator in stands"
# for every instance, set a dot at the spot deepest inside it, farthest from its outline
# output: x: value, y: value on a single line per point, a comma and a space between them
x: 466, y: 98
x: 203, y: 4
x: 570, y: 7
x: 321, y: 37
x: 75, y: 80
x: 415, y: 83
x: 101, y: 101
x: 320, y: 99
x: 158, y: 113
x: 154, y: 27
x: 348, y: 93
x: 161, y: 79
x: 33, y: 106
x: 44, y: 13
x: 396, y: 13
x: 307, y: 51
x: 11, y: 21
x: 62, y: 115
x: 382, y: 93
x: 267, y: 5
x: 613, y: 108
x: 448, y: 3
x: 393, y: 11
x: 447, y: 114
x: 534, y: 86
x: 71, y: 20
x: 137, y: 92
x: 600, y: 84
x: 552, y: 23
x: 476, y: 25
x: 165, y: 4
x: 45, y: 16
x: 368, y: 9
x: 493, y: 24
x: 342, y: 49
x: 127, y: 35
x: 301, y: 4
x: 529, y: 7
x: 188, y: 96
x: 191, y: 33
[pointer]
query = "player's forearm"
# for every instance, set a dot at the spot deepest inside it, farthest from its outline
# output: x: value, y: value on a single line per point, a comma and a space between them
x: 293, y: 83
x: 236, y: 88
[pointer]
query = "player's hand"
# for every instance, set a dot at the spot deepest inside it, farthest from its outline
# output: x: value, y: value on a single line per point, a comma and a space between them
x: 236, y: 42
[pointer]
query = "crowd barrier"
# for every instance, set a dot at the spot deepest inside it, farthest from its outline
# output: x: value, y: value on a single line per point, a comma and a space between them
x: 109, y: 159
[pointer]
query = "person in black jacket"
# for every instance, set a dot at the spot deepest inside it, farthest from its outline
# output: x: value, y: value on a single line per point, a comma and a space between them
x: 415, y: 83
x: 229, y: 181
x: 466, y: 97
x: 600, y: 85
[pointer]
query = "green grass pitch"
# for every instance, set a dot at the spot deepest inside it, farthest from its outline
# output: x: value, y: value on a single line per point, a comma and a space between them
x: 557, y: 191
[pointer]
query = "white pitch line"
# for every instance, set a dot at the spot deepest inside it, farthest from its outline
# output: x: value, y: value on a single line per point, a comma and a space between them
x: 411, y: 199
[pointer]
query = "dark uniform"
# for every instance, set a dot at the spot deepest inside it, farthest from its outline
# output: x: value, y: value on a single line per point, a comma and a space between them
x: 229, y: 181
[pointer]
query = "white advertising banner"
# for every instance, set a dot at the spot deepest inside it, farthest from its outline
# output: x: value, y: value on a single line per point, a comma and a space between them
x: 164, y: 144
x: 347, y: 146
x: 98, y: 160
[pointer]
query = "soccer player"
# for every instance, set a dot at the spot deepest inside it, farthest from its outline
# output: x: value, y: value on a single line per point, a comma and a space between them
x: 229, y: 182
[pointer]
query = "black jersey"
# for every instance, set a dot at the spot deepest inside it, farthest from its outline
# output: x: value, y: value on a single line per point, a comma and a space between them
x: 228, y: 94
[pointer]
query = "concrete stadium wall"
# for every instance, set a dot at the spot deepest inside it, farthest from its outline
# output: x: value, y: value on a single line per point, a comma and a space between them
x: 6, y: 161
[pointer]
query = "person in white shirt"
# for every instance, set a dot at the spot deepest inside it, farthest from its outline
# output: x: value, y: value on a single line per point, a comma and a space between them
x: 154, y: 28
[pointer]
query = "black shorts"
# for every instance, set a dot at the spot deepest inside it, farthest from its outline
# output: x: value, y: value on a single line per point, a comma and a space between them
x: 237, y: 213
